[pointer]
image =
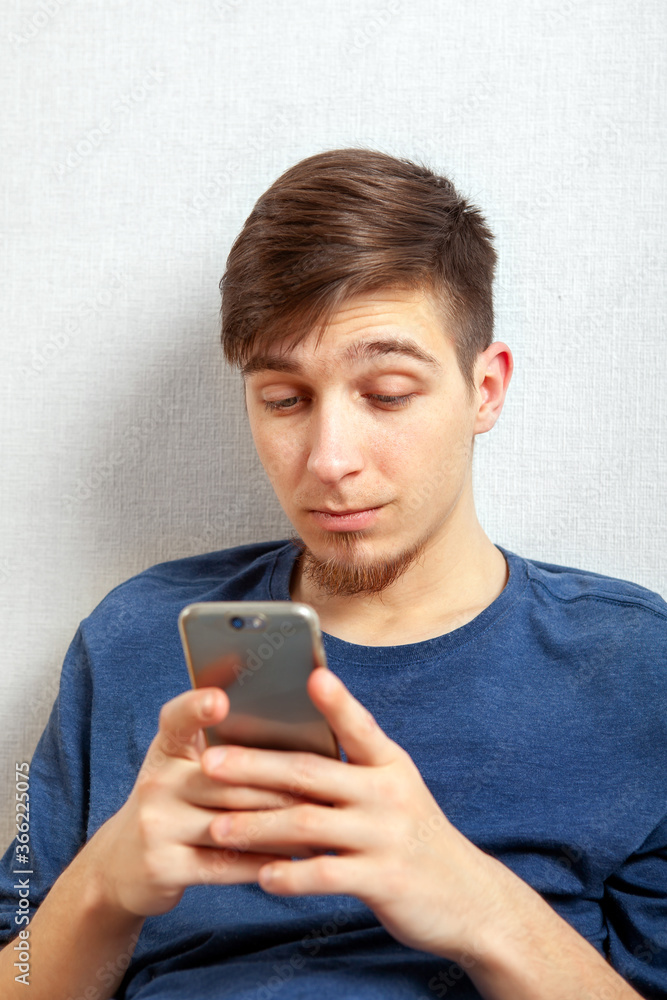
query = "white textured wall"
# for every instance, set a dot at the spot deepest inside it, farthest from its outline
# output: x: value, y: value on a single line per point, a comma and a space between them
x: 136, y: 137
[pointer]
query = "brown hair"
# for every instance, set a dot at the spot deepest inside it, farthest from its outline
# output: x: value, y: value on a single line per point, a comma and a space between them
x: 350, y: 221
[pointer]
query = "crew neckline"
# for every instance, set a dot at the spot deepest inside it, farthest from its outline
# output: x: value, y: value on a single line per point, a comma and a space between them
x: 427, y: 649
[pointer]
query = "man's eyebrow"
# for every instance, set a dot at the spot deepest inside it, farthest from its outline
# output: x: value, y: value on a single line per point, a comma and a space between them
x: 361, y: 350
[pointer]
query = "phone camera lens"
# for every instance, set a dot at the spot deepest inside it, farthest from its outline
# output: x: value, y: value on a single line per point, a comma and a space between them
x: 237, y: 623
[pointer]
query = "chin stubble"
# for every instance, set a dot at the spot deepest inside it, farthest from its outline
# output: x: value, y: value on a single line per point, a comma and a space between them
x: 343, y: 575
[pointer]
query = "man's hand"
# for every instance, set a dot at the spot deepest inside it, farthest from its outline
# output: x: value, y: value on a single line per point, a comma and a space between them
x: 159, y: 842
x: 395, y: 848
x: 431, y: 887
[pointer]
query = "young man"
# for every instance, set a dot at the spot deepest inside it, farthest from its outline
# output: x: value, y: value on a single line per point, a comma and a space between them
x: 499, y: 825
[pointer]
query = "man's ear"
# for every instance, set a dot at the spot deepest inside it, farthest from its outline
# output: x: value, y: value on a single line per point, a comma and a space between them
x: 493, y: 371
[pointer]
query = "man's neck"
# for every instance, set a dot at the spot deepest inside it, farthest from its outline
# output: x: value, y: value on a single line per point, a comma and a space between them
x: 458, y: 577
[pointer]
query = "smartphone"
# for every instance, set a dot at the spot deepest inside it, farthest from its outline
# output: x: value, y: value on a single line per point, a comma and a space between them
x: 261, y: 654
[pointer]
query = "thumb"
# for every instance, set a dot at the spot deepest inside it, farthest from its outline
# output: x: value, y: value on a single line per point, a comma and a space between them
x: 182, y: 720
x: 356, y: 729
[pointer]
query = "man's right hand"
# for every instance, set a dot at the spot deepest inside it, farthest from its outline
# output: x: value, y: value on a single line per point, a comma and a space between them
x: 158, y: 842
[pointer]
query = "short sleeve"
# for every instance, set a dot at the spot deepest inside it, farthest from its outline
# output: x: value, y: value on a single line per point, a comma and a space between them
x: 635, y: 905
x: 58, y: 797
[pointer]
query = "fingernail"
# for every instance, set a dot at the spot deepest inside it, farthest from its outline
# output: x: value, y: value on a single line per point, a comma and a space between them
x: 206, y: 707
x: 215, y: 756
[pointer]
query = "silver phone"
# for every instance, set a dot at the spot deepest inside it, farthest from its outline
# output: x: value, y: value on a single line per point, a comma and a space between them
x: 261, y: 653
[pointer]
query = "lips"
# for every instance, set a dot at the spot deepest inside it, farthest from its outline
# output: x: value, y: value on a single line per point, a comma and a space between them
x: 340, y: 513
x: 344, y: 520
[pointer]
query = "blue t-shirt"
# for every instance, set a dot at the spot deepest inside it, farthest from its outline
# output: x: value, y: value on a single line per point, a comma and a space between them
x: 540, y: 727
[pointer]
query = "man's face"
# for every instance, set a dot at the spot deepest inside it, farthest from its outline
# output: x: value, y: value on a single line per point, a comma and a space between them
x: 361, y: 425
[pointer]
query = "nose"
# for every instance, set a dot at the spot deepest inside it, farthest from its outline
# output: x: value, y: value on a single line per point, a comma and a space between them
x: 335, y: 441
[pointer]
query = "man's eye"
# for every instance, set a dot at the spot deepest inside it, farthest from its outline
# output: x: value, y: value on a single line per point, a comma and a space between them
x: 280, y: 404
x: 395, y: 400
x: 288, y: 404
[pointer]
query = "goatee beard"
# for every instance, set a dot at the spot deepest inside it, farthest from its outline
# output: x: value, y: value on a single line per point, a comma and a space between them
x: 343, y: 575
